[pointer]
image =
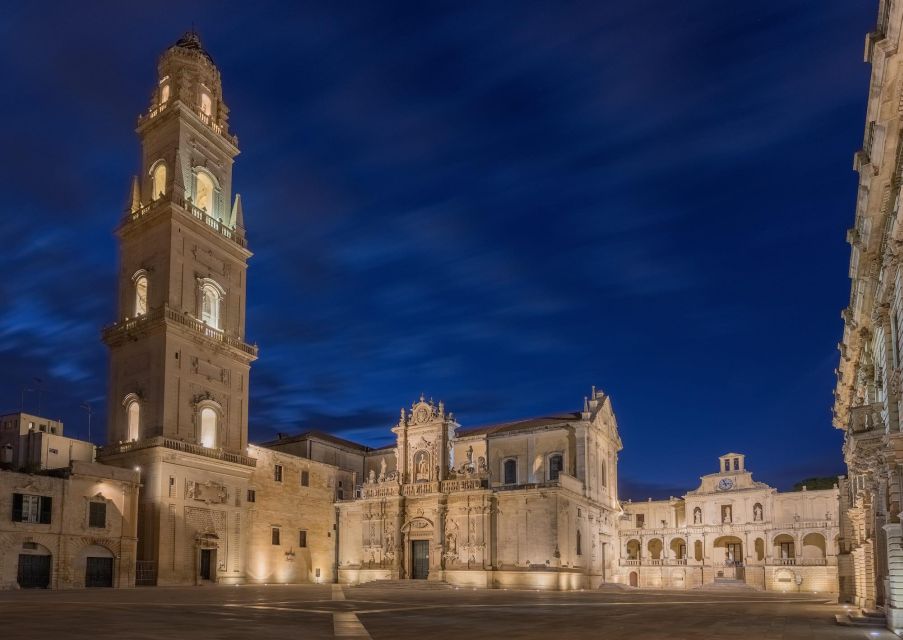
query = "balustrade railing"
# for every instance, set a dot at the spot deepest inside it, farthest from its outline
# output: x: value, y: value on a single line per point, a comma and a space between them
x: 176, y: 445
x: 205, y: 118
x: 193, y: 210
x: 464, y: 484
x: 420, y: 489
x: 202, y: 328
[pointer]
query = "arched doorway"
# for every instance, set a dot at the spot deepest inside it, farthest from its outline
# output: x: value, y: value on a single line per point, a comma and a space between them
x: 34, y: 566
x: 98, y: 566
x: 634, y: 579
x: 679, y: 549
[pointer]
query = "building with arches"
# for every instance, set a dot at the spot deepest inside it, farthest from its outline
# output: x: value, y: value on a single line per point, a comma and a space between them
x: 733, y: 530
x: 66, y: 528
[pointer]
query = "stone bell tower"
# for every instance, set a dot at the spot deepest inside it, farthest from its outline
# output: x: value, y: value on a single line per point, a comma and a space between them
x: 179, y: 362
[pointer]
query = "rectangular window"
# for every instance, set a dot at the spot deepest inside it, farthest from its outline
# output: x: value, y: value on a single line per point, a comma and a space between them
x: 30, y: 508
x: 252, y: 495
x: 736, y: 464
x: 786, y: 550
x: 275, y: 535
x: 97, y: 514
x: 305, y: 478
x: 277, y: 473
x: 640, y: 520
x: 302, y: 539
x: 172, y: 486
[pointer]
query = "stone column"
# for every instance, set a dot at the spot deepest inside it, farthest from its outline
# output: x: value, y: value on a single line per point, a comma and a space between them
x: 893, y: 534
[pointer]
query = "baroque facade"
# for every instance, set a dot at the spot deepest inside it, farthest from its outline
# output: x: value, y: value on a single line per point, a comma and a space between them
x: 867, y: 405
x: 732, y: 529
x: 526, y: 503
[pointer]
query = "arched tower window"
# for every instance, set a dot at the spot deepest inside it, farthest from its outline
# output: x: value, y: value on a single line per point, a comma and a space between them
x: 164, y: 93
x: 209, y: 419
x: 158, y: 180
x: 556, y: 465
x: 132, y: 417
x: 140, y: 280
x: 510, y: 471
x: 211, y: 304
x: 206, y: 104
x: 203, y: 192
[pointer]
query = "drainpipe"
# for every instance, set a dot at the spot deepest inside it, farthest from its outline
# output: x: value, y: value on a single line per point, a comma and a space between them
x: 335, y: 572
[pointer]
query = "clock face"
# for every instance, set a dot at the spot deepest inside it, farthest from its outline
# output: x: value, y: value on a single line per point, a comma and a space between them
x: 725, y: 483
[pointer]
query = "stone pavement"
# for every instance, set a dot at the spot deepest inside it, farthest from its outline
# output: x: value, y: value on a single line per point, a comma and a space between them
x: 330, y: 611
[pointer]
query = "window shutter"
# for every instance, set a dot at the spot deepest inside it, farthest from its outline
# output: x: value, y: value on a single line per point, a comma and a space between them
x: 17, y: 507
x: 46, y: 509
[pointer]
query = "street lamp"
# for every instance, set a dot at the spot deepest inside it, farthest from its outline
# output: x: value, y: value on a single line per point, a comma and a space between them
x: 87, y: 407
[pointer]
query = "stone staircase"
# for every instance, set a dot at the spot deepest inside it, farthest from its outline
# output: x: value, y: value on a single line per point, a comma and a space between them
x: 863, y: 618
x: 727, y: 584
x: 415, y: 585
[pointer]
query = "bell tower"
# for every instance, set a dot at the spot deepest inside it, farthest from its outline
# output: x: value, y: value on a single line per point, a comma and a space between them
x: 179, y: 362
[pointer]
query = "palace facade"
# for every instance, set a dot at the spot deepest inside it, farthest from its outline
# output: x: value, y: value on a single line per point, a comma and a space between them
x: 729, y: 530
x: 869, y: 392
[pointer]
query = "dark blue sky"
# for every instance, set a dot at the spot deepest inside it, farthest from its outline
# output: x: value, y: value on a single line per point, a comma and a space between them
x: 498, y: 204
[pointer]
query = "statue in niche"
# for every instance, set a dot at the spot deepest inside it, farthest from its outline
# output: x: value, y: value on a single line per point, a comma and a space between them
x: 757, y: 513
x: 382, y: 470
x: 697, y: 516
x: 423, y: 467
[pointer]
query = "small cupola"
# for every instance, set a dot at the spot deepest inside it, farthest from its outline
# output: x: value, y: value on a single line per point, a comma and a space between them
x: 731, y: 462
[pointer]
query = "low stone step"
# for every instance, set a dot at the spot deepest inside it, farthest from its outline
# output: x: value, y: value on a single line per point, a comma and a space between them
x: 857, y: 620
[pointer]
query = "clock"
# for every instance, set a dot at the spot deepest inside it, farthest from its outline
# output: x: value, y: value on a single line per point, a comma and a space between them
x: 725, y: 484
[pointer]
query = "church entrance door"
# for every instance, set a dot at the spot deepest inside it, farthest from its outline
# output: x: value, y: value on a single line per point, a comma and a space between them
x: 206, y: 559
x: 420, y: 559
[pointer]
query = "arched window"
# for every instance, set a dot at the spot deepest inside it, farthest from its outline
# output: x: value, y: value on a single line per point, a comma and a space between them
x: 211, y: 304
x: 140, y: 294
x: 164, y: 93
x: 203, y: 192
x: 133, y: 419
x: 206, y: 103
x: 158, y: 180
x: 208, y: 427
x: 556, y: 465
x: 510, y: 471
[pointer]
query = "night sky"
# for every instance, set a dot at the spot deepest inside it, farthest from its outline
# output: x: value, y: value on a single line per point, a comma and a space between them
x: 498, y: 205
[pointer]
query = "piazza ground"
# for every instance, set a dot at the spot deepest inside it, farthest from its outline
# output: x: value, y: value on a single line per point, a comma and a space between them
x: 418, y: 611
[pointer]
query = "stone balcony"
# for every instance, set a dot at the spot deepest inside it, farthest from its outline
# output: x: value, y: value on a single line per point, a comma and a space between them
x: 195, y: 110
x: 119, y: 330
x: 188, y: 208
x: 175, y: 445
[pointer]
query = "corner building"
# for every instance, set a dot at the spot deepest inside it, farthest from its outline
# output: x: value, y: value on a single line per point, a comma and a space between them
x: 869, y: 391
